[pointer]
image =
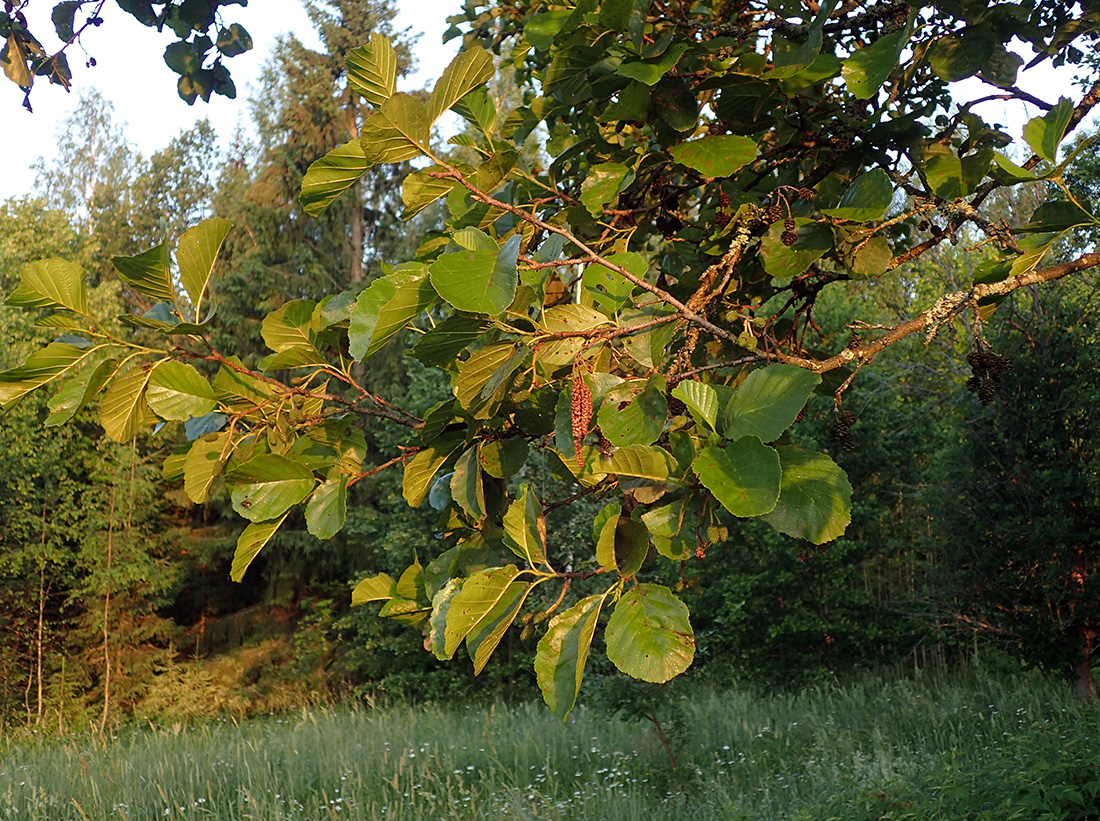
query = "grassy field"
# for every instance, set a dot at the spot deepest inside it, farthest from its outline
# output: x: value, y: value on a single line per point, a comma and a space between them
x: 977, y: 747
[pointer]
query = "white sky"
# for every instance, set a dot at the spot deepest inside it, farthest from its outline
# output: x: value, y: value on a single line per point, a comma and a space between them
x: 131, y: 72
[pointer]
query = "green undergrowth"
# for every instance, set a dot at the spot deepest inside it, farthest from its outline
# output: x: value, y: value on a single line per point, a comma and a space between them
x: 970, y: 747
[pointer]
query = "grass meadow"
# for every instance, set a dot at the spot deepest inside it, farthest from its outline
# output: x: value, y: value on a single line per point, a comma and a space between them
x: 968, y: 747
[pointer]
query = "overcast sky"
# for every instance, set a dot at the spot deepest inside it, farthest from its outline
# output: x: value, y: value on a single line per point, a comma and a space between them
x: 130, y: 71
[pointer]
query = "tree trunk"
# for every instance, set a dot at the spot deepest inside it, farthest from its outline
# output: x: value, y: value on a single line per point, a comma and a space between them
x: 1082, y: 670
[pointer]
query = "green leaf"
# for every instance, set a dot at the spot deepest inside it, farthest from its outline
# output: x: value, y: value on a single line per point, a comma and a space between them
x: 639, y: 461
x: 442, y: 344
x: 639, y: 422
x: 768, y: 401
x: 1044, y: 134
x: 327, y: 508
x: 1002, y: 68
x: 470, y: 69
x: 41, y: 367
x: 421, y: 189
x: 250, y: 543
x: 481, y: 282
x: 441, y: 607
x: 954, y: 57
x: 290, y: 329
x: 149, y: 273
x: 867, y: 199
x: 372, y: 69
x: 541, y: 29
x: 123, y: 410
x: 398, y: 131
x: 716, y: 156
x: 744, y: 476
x: 51, y: 283
x: 479, y: 595
x: 610, y: 290
x: 62, y: 16
x: 203, y: 464
x: 623, y: 545
x: 421, y: 470
x: 234, y: 40
x: 478, y: 109
x: 815, y: 497
x: 374, y: 588
x: 268, y: 485
x: 868, y: 68
x: 503, y: 458
x: 525, y: 528
x: 76, y: 393
x: 477, y: 375
x: 651, y: 71
x: 330, y: 176
x: 671, y: 529
x: 814, y: 240
x: 387, y: 306
x: 701, y: 399
x: 178, y: 392
x: 649, y: 636
x: 467, y: 484
x: 483, y: 639
x: 603, y: 184
x: 563, y: 652
x: 196, y: 252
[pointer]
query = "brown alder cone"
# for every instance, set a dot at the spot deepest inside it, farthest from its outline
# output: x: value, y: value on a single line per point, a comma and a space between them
x: 581, y: 411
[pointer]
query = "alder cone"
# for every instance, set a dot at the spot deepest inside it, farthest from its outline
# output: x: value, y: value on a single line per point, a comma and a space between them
x: 580, y: 412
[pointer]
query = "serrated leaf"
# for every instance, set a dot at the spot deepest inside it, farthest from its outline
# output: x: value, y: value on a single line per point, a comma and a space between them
x: 290, y: 327
x: 701, y: 399
x: 866, y: 199
x: 51, y: 283
x: 622, y: 544
x: 421, y: 470
x: 467, y: 71
x: 268, y: 485
x: 572, y: 318
x: 123, y: 410
x: 387, y: 306
x: 397, y: 131
x: 563, y: 652
x: 41, y: 368
x: 420, y: 188
x: 744, y: 476
x: 482, y: 281
x: 716, y: 156
x: 332, y: 175
x: 372, y: 69
x: 955, y: 57
x: 479, y: 595
x: 478, y: 109
x: 374, y: 588
x: 250, y: 543
x: 525, y: 528
x: 196, y: 253
x: 149, y: 273
x: 649, y: 636
x: 178, y: 392
x: 327, y: 508
x: 815, y: 497
x: 651, y: 71
x: 768, y: 402
x: 671, y: 528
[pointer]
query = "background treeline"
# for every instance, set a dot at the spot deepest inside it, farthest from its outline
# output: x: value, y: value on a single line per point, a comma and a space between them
x: 975, y: 527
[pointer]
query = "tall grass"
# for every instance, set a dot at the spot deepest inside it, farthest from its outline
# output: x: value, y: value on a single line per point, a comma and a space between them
x: 873, y: 750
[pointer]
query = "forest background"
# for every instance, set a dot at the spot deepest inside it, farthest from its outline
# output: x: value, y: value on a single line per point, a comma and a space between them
x: 973, y: 532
